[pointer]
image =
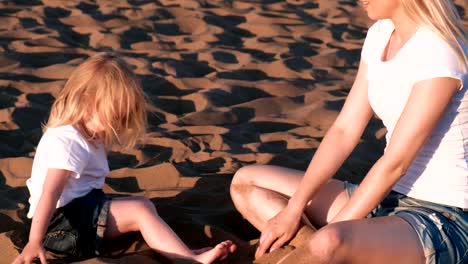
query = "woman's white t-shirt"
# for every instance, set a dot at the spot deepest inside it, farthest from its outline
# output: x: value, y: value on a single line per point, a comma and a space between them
x: 64, y: 148
x: 439, y: 173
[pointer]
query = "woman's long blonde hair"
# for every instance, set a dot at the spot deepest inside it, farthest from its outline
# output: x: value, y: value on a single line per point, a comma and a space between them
x: 104, y: 87
x: 442, y: 17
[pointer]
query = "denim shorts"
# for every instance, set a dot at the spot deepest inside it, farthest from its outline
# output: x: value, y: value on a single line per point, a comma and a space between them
x: 442, y: 230
x: 77, y: 229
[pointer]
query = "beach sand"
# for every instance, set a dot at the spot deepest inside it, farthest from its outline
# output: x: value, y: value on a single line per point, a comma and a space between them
x: 234, y: 83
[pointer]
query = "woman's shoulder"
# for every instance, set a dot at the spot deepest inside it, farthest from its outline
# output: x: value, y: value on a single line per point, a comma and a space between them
x: 375, y: 38
x: 430, y: 46
x: 381, y: 26
x: 433, y: 57
x: 378, y: 32
x: 431, y: 40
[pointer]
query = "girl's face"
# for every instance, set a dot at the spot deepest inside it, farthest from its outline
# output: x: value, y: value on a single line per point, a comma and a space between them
x: 380, y: 9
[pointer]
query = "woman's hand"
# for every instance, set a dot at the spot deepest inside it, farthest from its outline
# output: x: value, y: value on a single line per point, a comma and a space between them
x: 279, y: 229
x: 30, y: 253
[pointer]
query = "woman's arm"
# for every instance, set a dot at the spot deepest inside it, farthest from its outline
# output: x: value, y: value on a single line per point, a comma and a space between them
x: 338, y: 143
x: 426, y: 105
x: 53, y: 187
x: 335, y: 147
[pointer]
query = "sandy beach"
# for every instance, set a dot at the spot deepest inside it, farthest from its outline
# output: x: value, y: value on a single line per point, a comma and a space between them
x: 233, y: 83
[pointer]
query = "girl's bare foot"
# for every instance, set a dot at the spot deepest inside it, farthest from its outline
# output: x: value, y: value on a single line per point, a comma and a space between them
x: 198, y: 251
x: 220, y: 251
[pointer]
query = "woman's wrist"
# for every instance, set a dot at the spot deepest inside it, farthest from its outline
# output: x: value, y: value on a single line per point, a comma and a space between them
x: 296, y: 206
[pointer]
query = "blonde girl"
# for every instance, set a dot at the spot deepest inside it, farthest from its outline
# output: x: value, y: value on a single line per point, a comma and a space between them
x: 101, y: 104
x: 411, y: 207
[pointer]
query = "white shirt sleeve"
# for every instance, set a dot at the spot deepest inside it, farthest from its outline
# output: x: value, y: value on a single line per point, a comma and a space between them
x: 67, y: 152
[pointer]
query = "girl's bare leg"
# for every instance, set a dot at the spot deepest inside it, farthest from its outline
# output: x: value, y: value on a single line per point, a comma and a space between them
x: 383, y: 240
x: 259, y: 192
x: 139, y: 214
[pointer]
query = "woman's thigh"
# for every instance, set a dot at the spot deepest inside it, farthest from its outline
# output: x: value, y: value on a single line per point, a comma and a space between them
x: 325, y: 204
x: 388, y: 239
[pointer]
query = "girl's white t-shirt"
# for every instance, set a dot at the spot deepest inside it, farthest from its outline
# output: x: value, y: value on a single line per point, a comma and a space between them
x: 439, y: 173
x: 65, y: 148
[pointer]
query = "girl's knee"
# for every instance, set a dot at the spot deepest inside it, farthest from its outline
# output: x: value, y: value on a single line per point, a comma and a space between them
x: 143, y: 203
x: 125, y: 214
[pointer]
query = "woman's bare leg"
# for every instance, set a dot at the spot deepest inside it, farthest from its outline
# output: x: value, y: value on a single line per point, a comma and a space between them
x: 139, y: 214
x: 383, y: 240
x: 259, y: 192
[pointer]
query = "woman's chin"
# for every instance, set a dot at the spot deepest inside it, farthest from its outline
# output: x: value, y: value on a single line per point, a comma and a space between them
x: 372, y: 16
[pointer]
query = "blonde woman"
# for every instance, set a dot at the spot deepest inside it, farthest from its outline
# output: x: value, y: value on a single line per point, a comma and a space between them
x: 101, y: 104
x: 411, y: 207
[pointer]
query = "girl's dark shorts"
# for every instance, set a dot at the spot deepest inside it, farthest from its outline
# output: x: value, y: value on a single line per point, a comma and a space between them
x: 442, y: 230
x: 77, y: 229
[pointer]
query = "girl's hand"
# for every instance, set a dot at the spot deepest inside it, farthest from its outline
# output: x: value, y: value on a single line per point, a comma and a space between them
x: 30, y: 253
x: 279, y: 229
x: 51, y: 191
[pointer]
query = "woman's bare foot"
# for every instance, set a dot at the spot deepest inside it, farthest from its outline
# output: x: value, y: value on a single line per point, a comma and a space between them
x: 220, y: 251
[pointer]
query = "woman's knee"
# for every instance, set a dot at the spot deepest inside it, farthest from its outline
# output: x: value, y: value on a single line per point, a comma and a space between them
x: 242, y: 181
x: 328, y: 244
x: 241, y: 177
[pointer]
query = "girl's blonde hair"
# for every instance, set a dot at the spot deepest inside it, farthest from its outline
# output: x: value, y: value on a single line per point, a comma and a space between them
x: 442, y: 17
x: 104, y: 87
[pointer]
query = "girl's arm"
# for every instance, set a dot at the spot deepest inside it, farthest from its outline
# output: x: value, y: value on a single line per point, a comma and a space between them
x: 425, y: 106
x: 336, y: 146
x: 53, y: 186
